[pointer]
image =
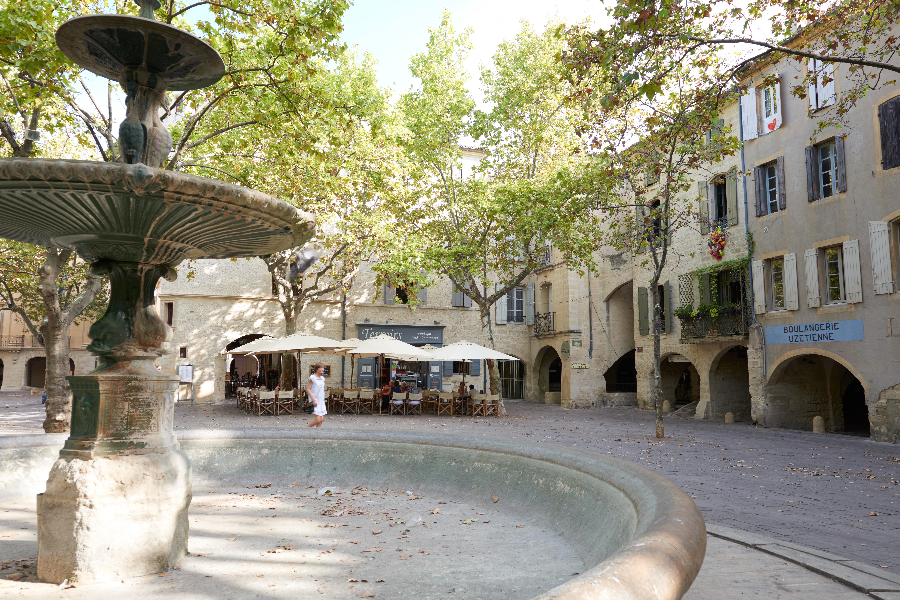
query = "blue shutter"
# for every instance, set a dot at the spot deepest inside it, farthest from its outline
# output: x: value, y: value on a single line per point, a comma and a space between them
x: 475, y: 368
x: 448, y: 368
x: 423, y: 296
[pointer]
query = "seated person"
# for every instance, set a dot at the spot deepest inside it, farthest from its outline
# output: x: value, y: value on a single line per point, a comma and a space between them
x: 403, y: 386
x: 386, y: 396
x: 413, y: 388
x: 397, y: 388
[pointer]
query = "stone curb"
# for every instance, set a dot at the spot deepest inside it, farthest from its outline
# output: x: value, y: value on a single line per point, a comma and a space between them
x: 865, y: 578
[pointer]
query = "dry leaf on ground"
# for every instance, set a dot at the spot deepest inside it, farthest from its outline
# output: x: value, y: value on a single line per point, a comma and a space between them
x: 495, y: 498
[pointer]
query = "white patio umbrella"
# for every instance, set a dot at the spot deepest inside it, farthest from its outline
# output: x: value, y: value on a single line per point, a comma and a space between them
x: 348, y: 345
x: 249, y: 347
x: 298, y: 342
x: 467, y: 351
x: 384, y: 345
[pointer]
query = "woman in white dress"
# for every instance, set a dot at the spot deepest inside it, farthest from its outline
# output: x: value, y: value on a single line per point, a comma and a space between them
x: 315, y: 391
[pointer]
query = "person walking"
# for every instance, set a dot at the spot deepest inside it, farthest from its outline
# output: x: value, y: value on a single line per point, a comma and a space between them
x: 315, y: 391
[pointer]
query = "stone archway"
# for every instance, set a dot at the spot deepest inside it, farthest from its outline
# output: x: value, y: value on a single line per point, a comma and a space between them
x: 36, y: 372
x: 804, y: 385
x: 729, y: 384
x: 680, y: 381
x: 548, y: 372
x: 240, y: 367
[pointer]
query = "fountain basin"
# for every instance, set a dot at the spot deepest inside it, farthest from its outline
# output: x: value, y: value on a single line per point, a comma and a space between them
x: 642, y: 537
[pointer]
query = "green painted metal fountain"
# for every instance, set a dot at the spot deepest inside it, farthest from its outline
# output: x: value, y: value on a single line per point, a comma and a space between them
x: 117, y: 497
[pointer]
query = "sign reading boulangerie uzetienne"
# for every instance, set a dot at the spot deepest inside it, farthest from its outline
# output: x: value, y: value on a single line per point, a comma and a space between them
x: 807, y: 333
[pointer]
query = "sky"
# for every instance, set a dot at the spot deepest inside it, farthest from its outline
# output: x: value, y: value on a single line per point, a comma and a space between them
x: 392, y: 32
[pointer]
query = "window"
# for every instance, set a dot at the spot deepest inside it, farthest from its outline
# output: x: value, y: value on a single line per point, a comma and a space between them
x: 834, y: 274
x: 515, y: 305
x: 400, y: 296
x: 170, y: 313
x: 777, y: 271
x: 771, y: 187
x: 182, y: 352
x: 716, y: 130
x: 657, y: 222
x: 821, y: 90
x: 770, y: 103
x: 460, y: 299
x: 729, y: 286
x: 826, y: 169
x: 889, y: 122
x: 721, y: 201
x: 460, y: 367
x: 663, y: 301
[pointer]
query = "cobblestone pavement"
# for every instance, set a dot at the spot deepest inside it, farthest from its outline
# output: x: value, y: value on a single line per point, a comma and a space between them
x: 833, y: 493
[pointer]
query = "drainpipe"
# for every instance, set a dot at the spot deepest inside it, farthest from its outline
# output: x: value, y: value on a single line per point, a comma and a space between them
x: 344, y: 331
x: 746, y: 232
x: 590, y: 318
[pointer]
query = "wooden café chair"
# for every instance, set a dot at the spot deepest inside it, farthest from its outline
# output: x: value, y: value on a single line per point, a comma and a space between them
x: 398, y: 403
x: 284, y: 403
x: 366, y: 401
x: 445, y: 403
x: 349, y: 402
x: 266, y: 403
x: 478, y: 405
x: 492, y: 406
x: 414, y: 405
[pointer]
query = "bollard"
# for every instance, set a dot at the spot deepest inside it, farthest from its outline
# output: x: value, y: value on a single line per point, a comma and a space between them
x: 818, y: 425
x: 729, y: 418
x: 667, y: 406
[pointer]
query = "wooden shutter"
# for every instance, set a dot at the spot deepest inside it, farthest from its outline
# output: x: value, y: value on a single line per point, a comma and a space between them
x: 639, y: 226
x: 475, y: 368
x: 813, y: 84
x: 705, y: 289
x: 529, y: 303
x: 456, y: 299
x: 889, y: 121
x: 759, y: 288
x: 749, y: 120
x: 852, y: 279
x: 703, y: 191
x: 448, y: 368
x: 759, y: 177
x: 879, y: 248
x: 840, y: 163
x: 774, y: 122
x: 811, y: 260
x: 467, y: 301
x: 500, y: 307
x: 423, y: 296
x: 643, y: 313
x: 791, y: 292
x: 731, y: 203
x: 812, y: 174
x: 826, y: 91
x: 389, y: 292
x: 667, y: 305
x: 779, y: 174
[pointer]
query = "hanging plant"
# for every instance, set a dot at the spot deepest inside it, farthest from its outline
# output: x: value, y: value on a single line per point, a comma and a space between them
x: 716, y: 242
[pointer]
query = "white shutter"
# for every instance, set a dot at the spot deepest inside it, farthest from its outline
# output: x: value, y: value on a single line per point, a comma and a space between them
x: 791, y: 293
x: 749, y: 120
x: 501, y: 307
x: 777, y: 116
x: 879, y: 247
x: 852, y: 279
x: 772, y: 118
x: 813, y: 84
x: 827, y: 95
x: 759, y: 287
x: 529, y: 303
x: 813, y: 299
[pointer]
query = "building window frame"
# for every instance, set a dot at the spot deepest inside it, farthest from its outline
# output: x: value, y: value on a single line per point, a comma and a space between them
x: 170, y: 312
x: 833, y: 266
x: 826, y: 168
x: 515, y: 305
x: 776, y: 283
x: 720, y: 200
x: 770, y: 174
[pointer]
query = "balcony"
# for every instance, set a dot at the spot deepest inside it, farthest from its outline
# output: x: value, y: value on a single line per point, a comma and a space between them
x: 544, y: 257
x: 543, y: 323
x: 729, y: 322
x: 12, y: 341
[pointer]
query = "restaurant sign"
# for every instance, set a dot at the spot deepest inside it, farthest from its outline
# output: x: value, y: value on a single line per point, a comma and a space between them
x: 806, y: 333
x: 411, y: 334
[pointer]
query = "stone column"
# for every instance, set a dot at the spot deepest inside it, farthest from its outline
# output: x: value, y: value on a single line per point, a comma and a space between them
x: 117, y: 497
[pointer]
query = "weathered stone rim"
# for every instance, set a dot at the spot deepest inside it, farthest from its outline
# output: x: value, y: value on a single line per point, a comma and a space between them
x: 660, y: 561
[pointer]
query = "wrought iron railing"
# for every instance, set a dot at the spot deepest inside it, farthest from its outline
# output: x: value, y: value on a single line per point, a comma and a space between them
x: 543, y: 323
x: 12, y: 341
x: 544, y: 257
x: 729, y: 322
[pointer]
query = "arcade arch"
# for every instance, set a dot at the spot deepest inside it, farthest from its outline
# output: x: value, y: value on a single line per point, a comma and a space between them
x: 809, y: 383
x: 36, y: 371
x: 548, y: 368
x: 622, y: 375
x: 729, y: 384
x: 680, y: 380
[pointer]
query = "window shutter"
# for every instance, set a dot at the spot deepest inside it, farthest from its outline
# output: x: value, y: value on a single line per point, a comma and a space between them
x: 749, y: 120
x: 812, y: 174
x: 389, y: 292
x: 705, y: 289
x: 667, y: 305
x: 467, y: 301
x: 779, y: 173
x: 791, y: 293
x: 643, y: 325
x: 529, y: 303
x: 731, y: 200
x: 423, y: 296
x: 879, y: 247
x: 813, y: 84
x: 852, y: 279
x: 811, y: 257
x: 475, y: 368
x: 640, y: 227
x: 703, y: 189
x: 759, y: 288
x: 840, y: 164
x: 759, y: 178
x: 500, y: 307
x: 456, y: 299
x: 826, y: 92
x: 889, y: 121
x: 448, y: 368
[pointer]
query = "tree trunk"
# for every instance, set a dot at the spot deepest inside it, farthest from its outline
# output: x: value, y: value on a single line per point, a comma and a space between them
x: 55, y: 331
x: 656, y: 392
x: 287, y: 361
x: 493, y: 373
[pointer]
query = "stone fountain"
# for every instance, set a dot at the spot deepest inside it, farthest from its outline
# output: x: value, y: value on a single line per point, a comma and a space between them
x: 116, y: 501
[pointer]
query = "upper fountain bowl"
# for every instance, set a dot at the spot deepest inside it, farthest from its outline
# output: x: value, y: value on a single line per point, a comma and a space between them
x: 112, y: 45
x: 136, y: 213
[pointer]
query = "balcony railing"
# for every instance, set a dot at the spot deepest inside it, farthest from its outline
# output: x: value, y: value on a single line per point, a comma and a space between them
x: 734, y: 323
x: 12, y: 341
x: 544, y: 257
x: 543, y: 323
